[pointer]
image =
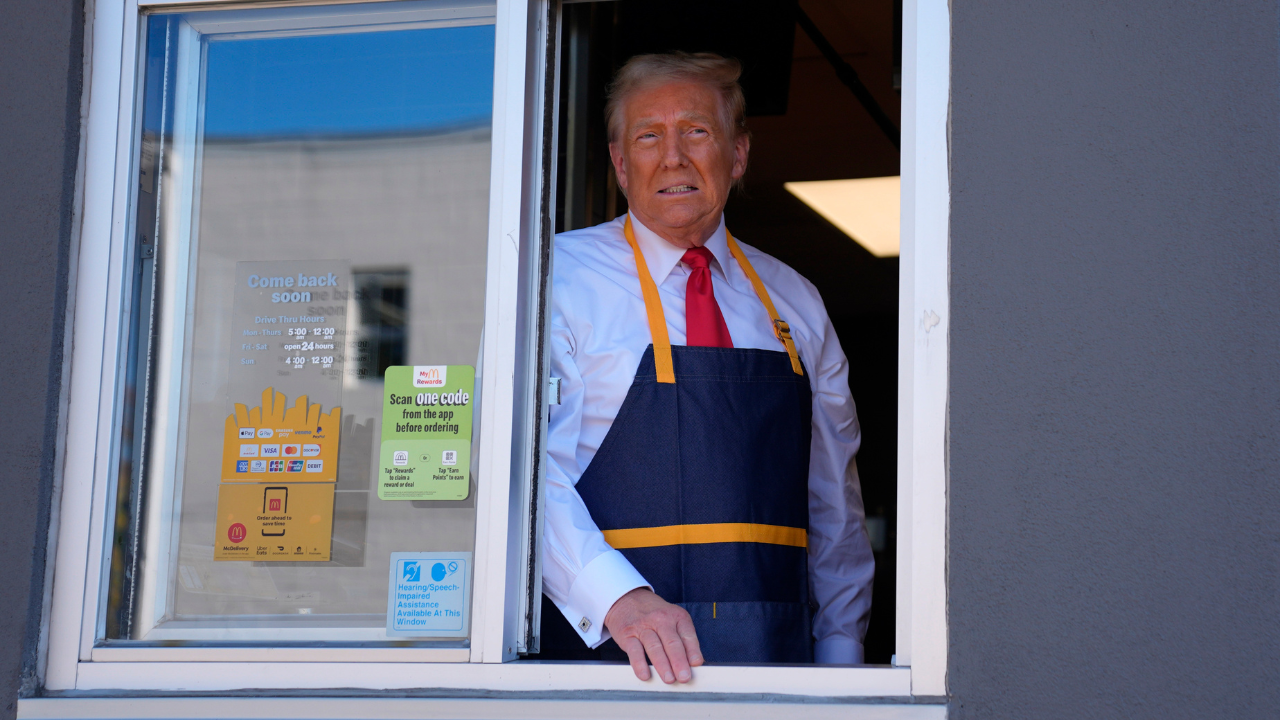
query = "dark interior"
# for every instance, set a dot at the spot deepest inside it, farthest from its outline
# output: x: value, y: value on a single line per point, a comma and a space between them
x: 806, y: 124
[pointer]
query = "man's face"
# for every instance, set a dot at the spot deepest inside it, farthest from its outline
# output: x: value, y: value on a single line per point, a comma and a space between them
x: 676, y: 160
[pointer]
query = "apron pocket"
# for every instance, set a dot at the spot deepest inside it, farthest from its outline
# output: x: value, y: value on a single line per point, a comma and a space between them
x: 753, y: 632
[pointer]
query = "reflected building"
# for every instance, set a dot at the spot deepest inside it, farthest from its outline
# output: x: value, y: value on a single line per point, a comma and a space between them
x: 409, y: 214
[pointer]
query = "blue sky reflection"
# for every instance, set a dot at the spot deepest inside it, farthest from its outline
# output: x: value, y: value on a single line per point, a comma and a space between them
x: 369, y: 83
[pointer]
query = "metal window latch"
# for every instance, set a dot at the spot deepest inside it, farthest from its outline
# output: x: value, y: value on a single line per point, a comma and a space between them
x: 553, y: 391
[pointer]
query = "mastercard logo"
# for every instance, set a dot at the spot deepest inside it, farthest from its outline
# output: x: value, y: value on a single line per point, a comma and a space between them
x: 292, y: 450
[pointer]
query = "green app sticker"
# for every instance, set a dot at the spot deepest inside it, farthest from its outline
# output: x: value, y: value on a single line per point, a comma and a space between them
x: 426, y: 432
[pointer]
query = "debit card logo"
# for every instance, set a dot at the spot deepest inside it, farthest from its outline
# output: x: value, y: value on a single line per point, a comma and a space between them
x: 315, y: 465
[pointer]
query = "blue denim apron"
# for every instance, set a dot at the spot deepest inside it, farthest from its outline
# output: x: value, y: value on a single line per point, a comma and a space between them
x: 702, y: 483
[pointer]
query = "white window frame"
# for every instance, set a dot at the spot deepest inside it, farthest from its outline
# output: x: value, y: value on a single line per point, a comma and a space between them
x: 69, y: 662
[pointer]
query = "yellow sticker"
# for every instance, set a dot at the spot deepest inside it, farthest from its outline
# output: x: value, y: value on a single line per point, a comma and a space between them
x: 269, y: 522
x: 276, y: 443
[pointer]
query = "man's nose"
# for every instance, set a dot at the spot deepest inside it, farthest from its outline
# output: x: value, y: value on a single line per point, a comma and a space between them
x: 673, y: 151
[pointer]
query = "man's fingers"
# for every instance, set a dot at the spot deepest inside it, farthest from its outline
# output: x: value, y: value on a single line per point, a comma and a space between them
x: 676, y: 654
x: 657, y: 655
x: 635, y: 654
x: 644, y: 624
x: 692, y: 648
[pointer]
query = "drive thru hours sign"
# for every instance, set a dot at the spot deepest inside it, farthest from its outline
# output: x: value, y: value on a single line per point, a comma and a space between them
x: 429, y: 594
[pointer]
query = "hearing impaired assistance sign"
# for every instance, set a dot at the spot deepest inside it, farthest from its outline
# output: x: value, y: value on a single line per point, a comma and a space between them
x: 426, y: 432
x: 428, y: 594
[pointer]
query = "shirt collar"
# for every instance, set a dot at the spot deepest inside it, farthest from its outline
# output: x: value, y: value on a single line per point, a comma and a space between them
x: 662, y: 257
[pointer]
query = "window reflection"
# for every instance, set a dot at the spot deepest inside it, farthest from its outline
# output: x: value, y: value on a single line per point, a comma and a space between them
x: 382, y: 305
x: 362, y: 149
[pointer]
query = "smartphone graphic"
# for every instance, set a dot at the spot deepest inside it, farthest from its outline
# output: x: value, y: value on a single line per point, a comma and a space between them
x: 275, y: 500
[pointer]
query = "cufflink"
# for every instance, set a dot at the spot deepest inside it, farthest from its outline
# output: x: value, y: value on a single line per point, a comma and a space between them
x: 584, y: 624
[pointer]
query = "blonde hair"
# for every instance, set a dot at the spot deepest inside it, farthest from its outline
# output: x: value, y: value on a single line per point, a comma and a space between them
x: 710, y: 69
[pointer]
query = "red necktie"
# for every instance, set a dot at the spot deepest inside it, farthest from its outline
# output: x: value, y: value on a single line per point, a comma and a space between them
x: 703, y: 324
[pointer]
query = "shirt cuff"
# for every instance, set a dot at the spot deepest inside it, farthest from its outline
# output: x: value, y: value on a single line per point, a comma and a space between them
x: 605, y: 579
x: 837, y: 650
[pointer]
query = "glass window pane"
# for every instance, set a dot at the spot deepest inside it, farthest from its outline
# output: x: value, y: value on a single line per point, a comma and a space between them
x: 311, y: 211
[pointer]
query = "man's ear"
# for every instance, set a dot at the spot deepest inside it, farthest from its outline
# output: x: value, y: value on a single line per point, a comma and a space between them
x: 741, y: 149
x: 619, y: 165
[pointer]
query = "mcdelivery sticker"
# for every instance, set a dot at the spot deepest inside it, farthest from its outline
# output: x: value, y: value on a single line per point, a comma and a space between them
x: 280, y: 457
x: 267, y: 522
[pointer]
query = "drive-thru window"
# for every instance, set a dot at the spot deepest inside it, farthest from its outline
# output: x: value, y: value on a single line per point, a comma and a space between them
x: 309, y: 390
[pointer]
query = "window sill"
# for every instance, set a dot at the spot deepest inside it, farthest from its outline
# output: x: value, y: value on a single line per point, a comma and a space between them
x: 270, y: 674
x: 567, y: 707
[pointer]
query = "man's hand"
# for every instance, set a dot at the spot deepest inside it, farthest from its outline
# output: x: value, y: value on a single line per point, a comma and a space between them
x: 643, y: 623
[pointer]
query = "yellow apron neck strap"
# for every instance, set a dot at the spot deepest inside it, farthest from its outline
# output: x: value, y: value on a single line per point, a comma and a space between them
x: 780, y: 327
x: 658, y: 321
x: 653, y: 307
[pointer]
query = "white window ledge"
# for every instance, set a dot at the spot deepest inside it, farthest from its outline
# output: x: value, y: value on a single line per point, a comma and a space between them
x: 215, y: 677
x: 291, y: 708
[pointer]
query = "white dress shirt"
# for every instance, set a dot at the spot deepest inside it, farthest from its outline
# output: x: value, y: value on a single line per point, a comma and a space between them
x: 599, y: 331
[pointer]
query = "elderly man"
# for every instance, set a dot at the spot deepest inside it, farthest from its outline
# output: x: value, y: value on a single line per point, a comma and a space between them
x: 702, y: 496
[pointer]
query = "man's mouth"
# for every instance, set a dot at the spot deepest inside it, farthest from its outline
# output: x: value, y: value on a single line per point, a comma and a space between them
x: 676, y: 189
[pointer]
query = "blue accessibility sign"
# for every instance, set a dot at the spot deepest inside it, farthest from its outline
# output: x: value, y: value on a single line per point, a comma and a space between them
x: 434, y: 603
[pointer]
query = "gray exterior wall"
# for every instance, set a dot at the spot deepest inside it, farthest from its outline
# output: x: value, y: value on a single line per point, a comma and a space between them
x: 41, y: 46
x: 1114, y: 495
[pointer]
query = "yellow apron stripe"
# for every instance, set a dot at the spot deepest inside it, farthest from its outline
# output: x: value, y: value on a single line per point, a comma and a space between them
x: 653, y: 306
x: 780, y: 327
x: 708, y: 533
